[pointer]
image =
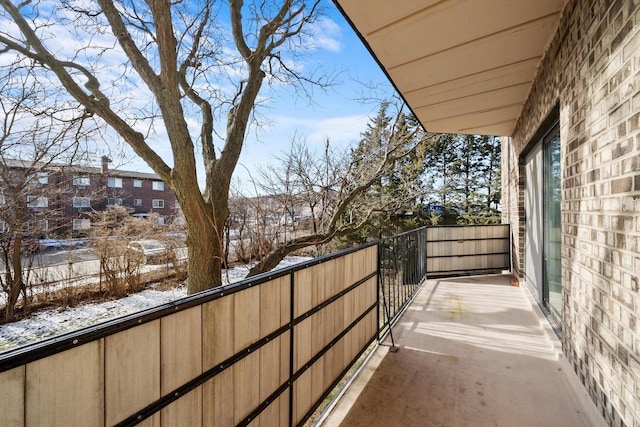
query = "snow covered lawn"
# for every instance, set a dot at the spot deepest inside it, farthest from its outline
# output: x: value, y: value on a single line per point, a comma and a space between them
x: 50, y: 322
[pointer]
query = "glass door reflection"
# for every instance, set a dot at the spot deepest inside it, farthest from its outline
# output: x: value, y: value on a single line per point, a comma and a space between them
x: 551, y: 220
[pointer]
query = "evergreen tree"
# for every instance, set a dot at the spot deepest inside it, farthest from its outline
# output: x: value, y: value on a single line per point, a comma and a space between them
x: 401, y: 180
x: 465, y: 172
x: 441, y: 164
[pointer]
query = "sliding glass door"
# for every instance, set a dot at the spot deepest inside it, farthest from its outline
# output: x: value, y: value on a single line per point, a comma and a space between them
x: 543, y: 236
x: 552, y: 239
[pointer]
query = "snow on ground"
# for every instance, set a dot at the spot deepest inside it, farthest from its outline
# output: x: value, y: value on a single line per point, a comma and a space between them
x: 50, y: 322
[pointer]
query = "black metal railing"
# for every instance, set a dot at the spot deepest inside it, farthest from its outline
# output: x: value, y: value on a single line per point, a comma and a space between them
x: 402, y: 262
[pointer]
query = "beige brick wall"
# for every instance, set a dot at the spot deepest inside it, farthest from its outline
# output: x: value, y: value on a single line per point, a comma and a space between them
x: 592, y: 72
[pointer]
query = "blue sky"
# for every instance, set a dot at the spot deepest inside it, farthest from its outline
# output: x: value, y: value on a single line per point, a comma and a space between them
x: 339, y: 114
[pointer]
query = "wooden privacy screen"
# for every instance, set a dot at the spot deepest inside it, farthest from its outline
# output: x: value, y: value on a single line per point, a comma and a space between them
x: 319, y: 359
x: 263, y: 352
x: 468, y: 249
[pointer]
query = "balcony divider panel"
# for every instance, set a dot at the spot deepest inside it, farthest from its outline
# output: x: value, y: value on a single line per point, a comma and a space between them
x: 469, y: 249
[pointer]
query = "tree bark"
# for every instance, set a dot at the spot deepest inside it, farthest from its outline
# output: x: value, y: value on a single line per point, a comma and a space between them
x: 205, y: 259
x: 273, y: 258
x: 16, y: 280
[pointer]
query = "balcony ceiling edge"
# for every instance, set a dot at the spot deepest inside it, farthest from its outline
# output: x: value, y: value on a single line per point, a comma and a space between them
x: 462, y: 66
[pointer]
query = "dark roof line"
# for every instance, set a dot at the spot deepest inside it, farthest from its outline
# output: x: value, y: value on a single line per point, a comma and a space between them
x: 94, y: 170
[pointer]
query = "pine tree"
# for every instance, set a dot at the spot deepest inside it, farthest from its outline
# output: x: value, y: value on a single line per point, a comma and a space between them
x: 465, y: 172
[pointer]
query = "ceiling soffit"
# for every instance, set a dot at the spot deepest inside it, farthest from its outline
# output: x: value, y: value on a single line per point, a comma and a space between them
x: 463, y: 66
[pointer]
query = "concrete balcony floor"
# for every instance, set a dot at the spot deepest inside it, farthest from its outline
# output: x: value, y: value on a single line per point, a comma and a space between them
x: 472, y: 351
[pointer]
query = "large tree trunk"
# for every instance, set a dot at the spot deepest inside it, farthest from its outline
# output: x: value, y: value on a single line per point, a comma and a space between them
x: 205, y: 260
x: 205, y: 227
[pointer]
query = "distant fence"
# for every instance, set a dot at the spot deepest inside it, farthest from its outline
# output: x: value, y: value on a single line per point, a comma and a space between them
x: 264, y: 351
x: 46, y: 280
x: 468, y: 249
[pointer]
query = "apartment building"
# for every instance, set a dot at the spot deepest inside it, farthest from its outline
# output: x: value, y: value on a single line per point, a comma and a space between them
x: 59, y: 198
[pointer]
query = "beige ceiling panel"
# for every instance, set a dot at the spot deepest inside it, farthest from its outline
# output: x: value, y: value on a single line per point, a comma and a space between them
x: 500, y: 50
x: 370, y: 15
x: 463, y: 66
x: 454, y: 23
x: 519, y: 73
x: 499, y: 129
x: 471, y: 123
x: 499, y: 98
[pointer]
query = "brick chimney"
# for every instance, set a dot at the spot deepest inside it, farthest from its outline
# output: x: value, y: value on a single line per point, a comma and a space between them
x: 105, y: 164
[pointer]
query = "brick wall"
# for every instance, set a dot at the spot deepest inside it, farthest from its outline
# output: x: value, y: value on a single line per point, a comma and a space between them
x: 591, y: 71
x: 513, y: 202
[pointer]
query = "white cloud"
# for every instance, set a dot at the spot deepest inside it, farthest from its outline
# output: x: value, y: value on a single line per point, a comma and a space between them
x: 340, y: 131
x: 325, y: 35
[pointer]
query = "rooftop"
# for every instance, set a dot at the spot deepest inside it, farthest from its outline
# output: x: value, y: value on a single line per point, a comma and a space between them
x: 18, y: 163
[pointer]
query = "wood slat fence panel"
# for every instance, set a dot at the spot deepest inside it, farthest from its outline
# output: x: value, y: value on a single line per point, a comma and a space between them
x: 66, y: 387
x: 352, y: 308
x: 131, y: 371
x: 12, y: 384
x: 263, y: 352
x: 468, y: 249
x: 181, y: 361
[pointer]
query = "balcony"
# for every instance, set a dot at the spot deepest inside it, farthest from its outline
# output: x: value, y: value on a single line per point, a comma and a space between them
x: 470, y: 351
x: 270, y: 350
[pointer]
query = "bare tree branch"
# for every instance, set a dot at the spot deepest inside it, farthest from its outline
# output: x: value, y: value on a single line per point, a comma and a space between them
x: 175, y: 70
x: 350, y: 186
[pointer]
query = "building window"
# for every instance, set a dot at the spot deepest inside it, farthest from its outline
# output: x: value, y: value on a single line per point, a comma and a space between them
x: 114, y: 182
x: 41, y: 177
x: 37, y: 202
x: 159, y: 220
x: 137, y: 183
x: 157, y: 185
x: 137, y: 202
x: 81, y: 224
x: 81, y: 180
x: 81, y: 202
x: 114, y: 201
x: 158, y: 203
